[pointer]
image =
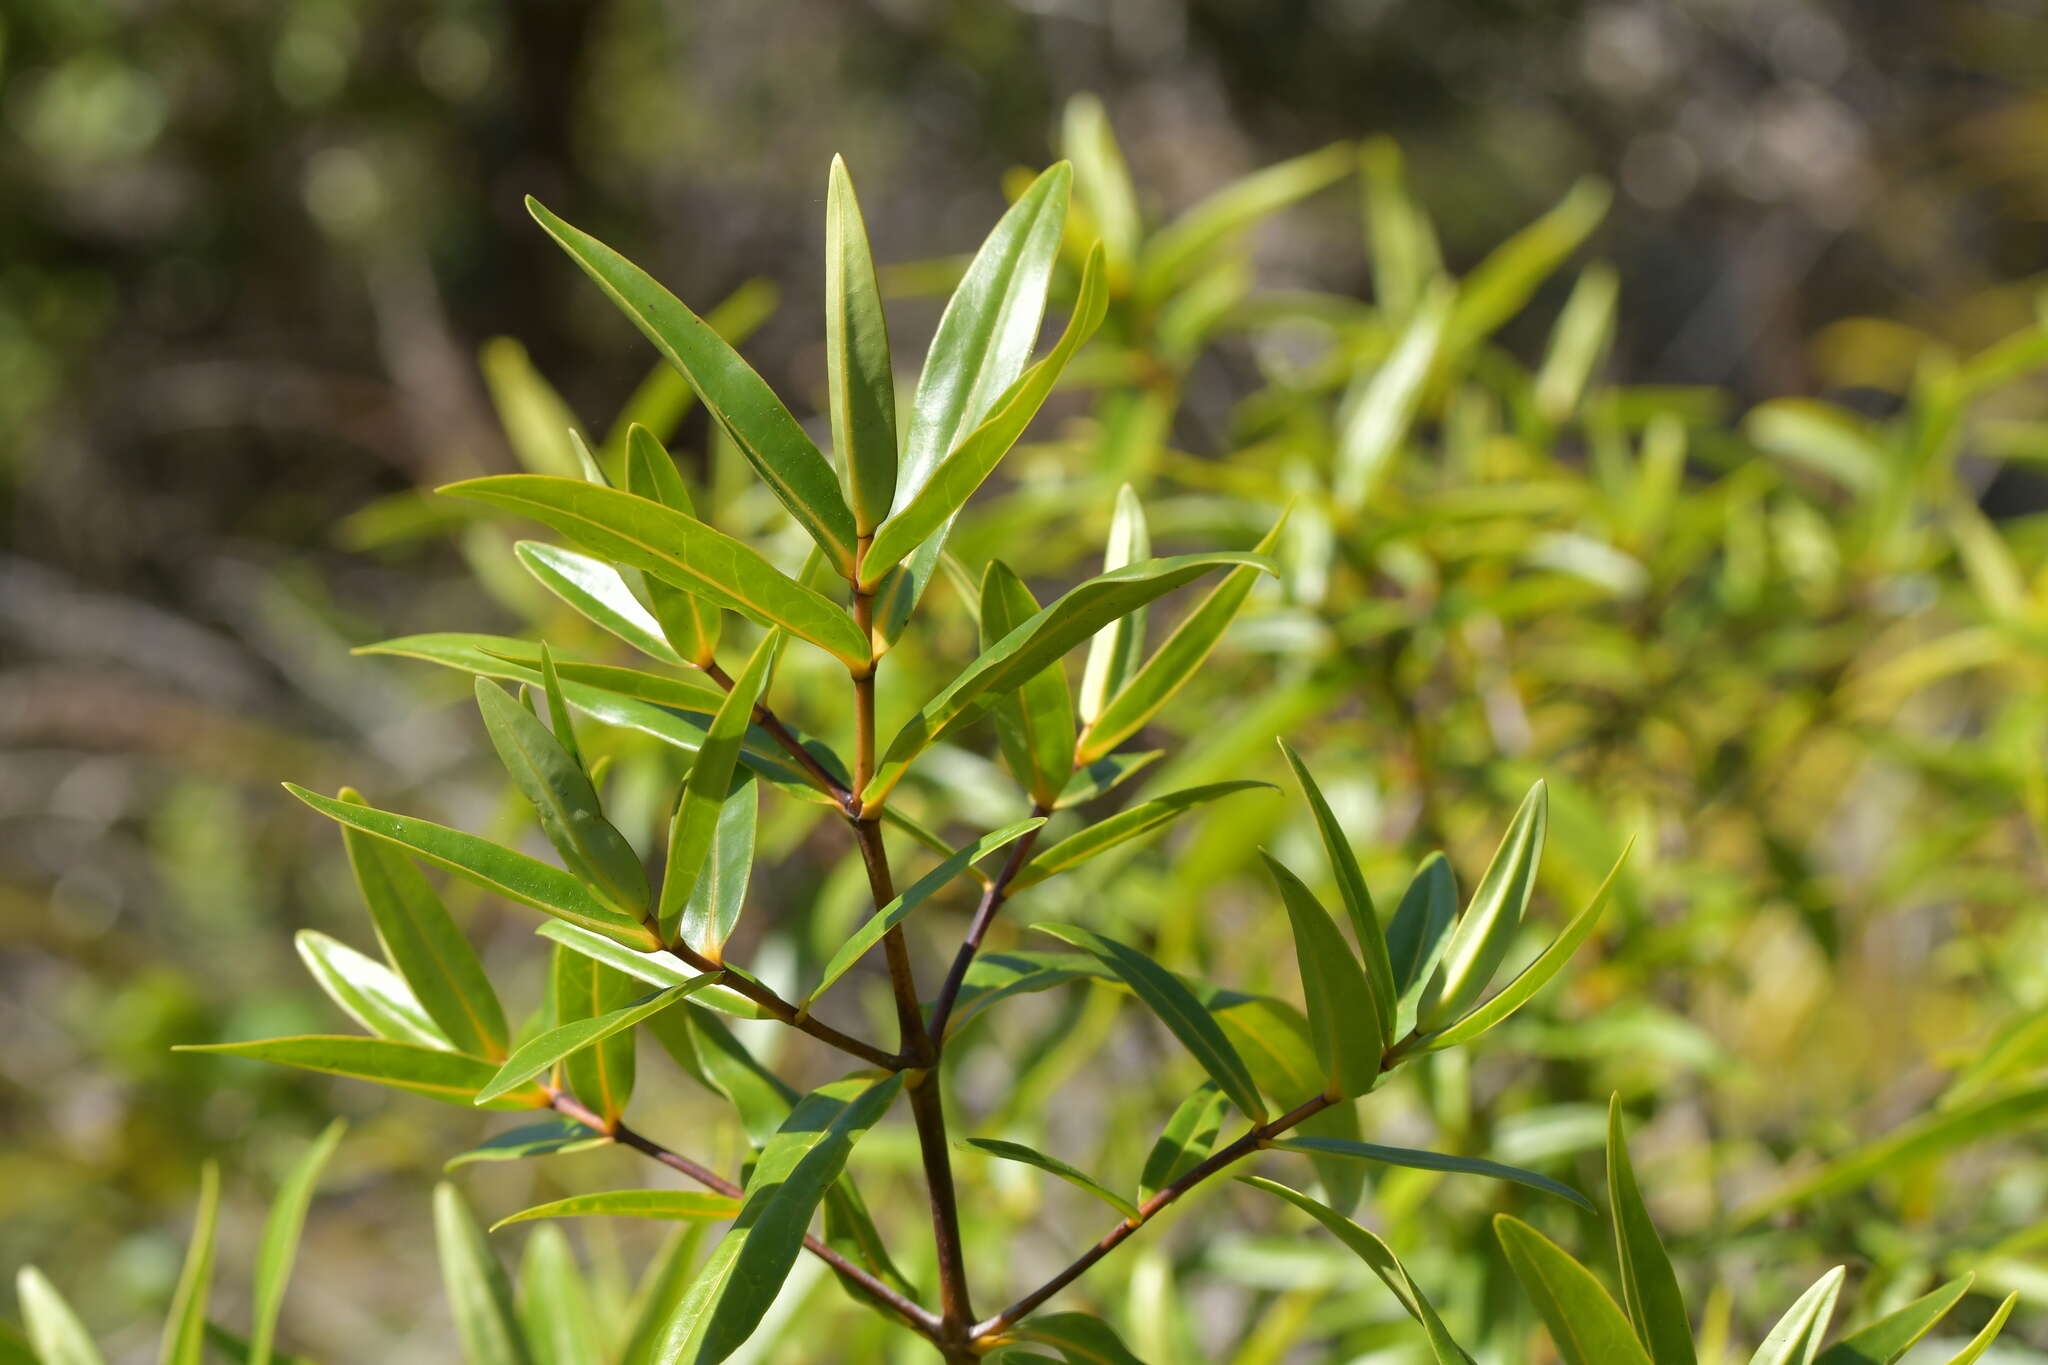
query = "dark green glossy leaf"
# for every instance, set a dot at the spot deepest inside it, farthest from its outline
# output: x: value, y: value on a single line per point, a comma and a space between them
x: 447, y: 1076
x: 705, y: 922
x: 861, y: 378
x: 368, y: 991
x: 1343, y: 1011
x: 1584, y: 1323
x: 495, y: 868
x: 1035, y: 723
x: 280, y: 1244
x: 537, y: 1055
x: 1896, y: 1333
x: 1177, y: 1007
x: 602, y: 1074
x: 673, y: 1205
x: 677, y: 548
x: 745, y: 406
x: 1649, y: 1287
x: 549, y: 1137
x: 555, y: 1310
x: 1052, y: 1165
x: 1126, y: 825
x: 184, y: 1338
x: 1435, y: 1161
x: 1365, y: 922
x: 1487, y: 929
x: 479, y: 1295
x: 1419, y: 933
x: 1186, y: 1141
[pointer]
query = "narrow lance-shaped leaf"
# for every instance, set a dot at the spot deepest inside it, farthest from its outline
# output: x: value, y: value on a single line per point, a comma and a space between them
x: 1896, y: 1333
x: 671, y: 1205
x: 1380, y: 410
x: 740, y: 399
x: 559, y: 723
x: 1490, y: 922
x: 53, y: 1329
x: 1418, y: 934
x: 1035, y: 723
x: 1343, y: 1012
x: 1114, y: 653
x: 280, y: 1244
x: 664, y: 397
x: 1079, y: 1339
x: 1381, y: 1259
x: 554, y: 783
x: 602, y: 1074
x: 184, y: 1338
x: 1153, y: 684
x: 1417, y: 1160
x: 1052, y: 1165
x: 1365, y: 922
x: 549, y: 1137
x: 1497, y: 288
x: 1177, y: 1007
x: 538, y: 424
x: 1649, y: 1287
x: 688, y: 621
x: 366, y: 990
x: 747, y: 1267
x: 1795, y: 1338
x: 1182, y: 245
x: 1584, y: 1323
x: 923, y: 520
x: 656, y: 968
x: 449, y: 1077
x: 495, y: 868
x: 1034, y: 644
x: 531, y: 1058
x: 1132, y: 823
x: 677, y: 548
x: 694, y: 830
x: 861, y: 380
x: 1185, y: 1142
x: 478, y: 1292
x: 597, y: 592
x: 555, y: 1311
x: 1104, y: 775
x: 982, y: 344
x: 424, y: 943
x: 1981, y: 1343
x: 1102, y: 182
x: 711, y: 1055
x: 895, y: 912
x: 1583, y: 330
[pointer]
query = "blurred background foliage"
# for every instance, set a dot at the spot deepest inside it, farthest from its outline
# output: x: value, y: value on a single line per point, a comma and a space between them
x: 252, y: 261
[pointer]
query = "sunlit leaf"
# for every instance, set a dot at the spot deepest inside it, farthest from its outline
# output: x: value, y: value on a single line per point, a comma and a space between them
x: 367, y: 991
x: 1135, y: 822
x: 857, y: 364
x: 447, y: 1076
x: 1795, y: 1338
x: 53, y: 1329
x: 694, y: 847
x: 1365, y: 922
x: 1649, y: 1286
x: 1487, y: 929
x: 479, y: 1294
x: 1052, y: 1165
x: 1896, y: 1333
x: 537, y: 1055
x: 672, y: 1205
x: 1344, y: 1013
x: 280, y: 1244
x: 1585, y: 1325
x: 555, y: 1310
x: 1116, y: 650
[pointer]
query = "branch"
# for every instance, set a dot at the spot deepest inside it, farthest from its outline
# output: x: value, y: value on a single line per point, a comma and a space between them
x: 794, y: 747
x: 1252, y: 1141
x: 920, y: 1319
x: 765, y: 996
x: 984, y: 914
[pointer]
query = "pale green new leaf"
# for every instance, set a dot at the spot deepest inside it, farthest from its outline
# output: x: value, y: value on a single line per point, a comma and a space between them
x: 1649, y: 1287
x: 1891, y: 1336
x: 1378, y: 413
x: 436, y: 1073
x: 1132, y: 823
x: 1186, y: 1141
x: 740, y: 399
x: 555, y: 1310
x: 367, y: 991
x: 1182, y: 245
x: 1582, y: 333
x: 1102, y: 182
x: 184, y: 1338
x: 491, y: 866
x: 1344, y: 1012
x: 538, y: 424
x: 1487, y: 929
x: 597, y: 592
x: 53, y: 1329
x: 1497, y: 288
x: 1117, y: 649
x: 1795, y: 1338
x: 857, y: 365
x: 280, y: 1244
x: 1365, y: 922
x: 1177, y: 1007
x: 537, y: 1055
x: 705, y: 923
x: 1052, y: 1165
x: 677, y: 548
x: 1434, y: 1161
x: 479, y: 1295
x: 672, y: 1205
x: 659, y: 968
x: 1981, y: 1343
x: 1584, y: 1323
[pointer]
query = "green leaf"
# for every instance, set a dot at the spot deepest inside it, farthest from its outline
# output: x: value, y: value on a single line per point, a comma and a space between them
x: 661, y: 1288
x: 678, y: 549
x: 1365, y: 923
x: 602, y: 1074
x: 537, y: 422
x: 1152, y: 685
x: 857, y: 364
x: 1796, y: 1338
x: 1435, y: 1161
x: 1896, y: 1333
x: 1981, y: 1343
x: 1105, y: 774
x: 688, y: 622
x: 1381, y: 407
x: 549, y: 1137
x: 1649, y: 1287
x: 423, y: 942
x: 1117, y: 649
x: 747, y: 1267
x: 672, y: 1205
x: 479, y: 1295
x: 562, y: 727
x: 706, y: 922
x: 718, y: 1061
x: 1343, y: 1011
x: 693, y: 693
x: 656, y: 968
x: 280, y: 1244
x: 1487, y: 929
x: 889, y: 916
x: 1384, y: 1263
x: 1102, y: 182
x: 1273, y: 1037
x: 533, y: 1057
x: 555, y: 1312
x: 1177, y: 1007
x: 1035, y: 723
x: 447, y: 1076
x: 664, y: 397
x: 740, y: 399
x: 1584, y: 1323
x: 1401, y: 241
x: 1186, y: 1141
x: 512, y: 875
x: 1185, y: 243
x: 1035, y: 643
x: 367, y: 991
x: 1052, y: 1165
x: 234, y: 1348
x: 1079, y: 1338
x: 1419, y: 933
x: 1497, y: 288
x: 983, y: 343
x: 1821, y: 438
x: 1537, y: 974
x: 53, y: 1329
x: 997, y: 976
x: 184, y: 1338
x: 555, y: 785
x: 924, y: 519
x: 597, y: 592
x: 1132, y: 823
x: 1583, y: 330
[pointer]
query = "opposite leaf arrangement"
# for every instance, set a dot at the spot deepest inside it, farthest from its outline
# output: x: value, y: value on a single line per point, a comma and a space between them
x: 631, y: 952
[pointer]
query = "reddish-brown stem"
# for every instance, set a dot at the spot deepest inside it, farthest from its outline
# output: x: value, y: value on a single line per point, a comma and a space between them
x: 984, y: 915
x: 919, y: 1318
x: 781, y: 1009
x: 794, y: 747
x: 1252, y: 1140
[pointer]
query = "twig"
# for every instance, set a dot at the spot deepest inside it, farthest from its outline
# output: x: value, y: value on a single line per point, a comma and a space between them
x: 766, y: 997
x: 984, y: 914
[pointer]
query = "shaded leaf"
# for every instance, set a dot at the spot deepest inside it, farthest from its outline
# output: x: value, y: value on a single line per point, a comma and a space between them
x: 280, y: 1244
x: 555, y: 1311
x: 550, y: 1137
x: 1649, y: 1287
x: 1105, y: 774
x: 602, y: 1074
x: 1584, y: 1323
x: 706, y: 922
x: 479, y: 1295
x: 1079, y: 1339
x: 1052, y: 1165
x: 1185, y: 1142
x: 1365, y: 923
x: 1343, y: 1012
x: 1435, y: 1161
x: 1418, y: 934
x: 1035, y: 723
